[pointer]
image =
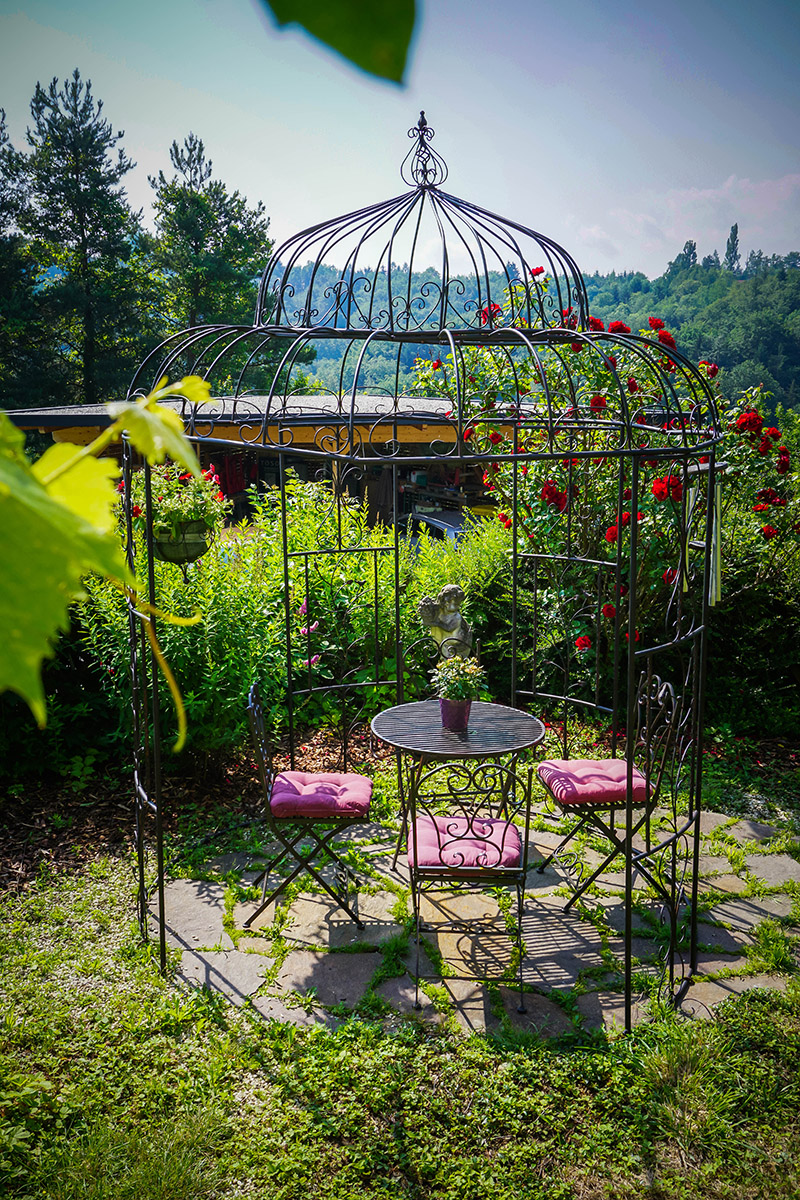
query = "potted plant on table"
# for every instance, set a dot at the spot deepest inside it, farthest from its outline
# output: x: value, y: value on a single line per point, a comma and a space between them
x: 457, y: 682
x: 187, y: 511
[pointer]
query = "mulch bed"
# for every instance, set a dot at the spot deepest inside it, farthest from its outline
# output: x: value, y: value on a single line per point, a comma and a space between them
x: 50, y: 826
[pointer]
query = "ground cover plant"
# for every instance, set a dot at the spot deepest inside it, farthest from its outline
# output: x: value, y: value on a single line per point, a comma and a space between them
x: 114, y: 1081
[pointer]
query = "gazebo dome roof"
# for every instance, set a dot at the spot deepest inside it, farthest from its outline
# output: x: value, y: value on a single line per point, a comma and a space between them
x: 488, y: 270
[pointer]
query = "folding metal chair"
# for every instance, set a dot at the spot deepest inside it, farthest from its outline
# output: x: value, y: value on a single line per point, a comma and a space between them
x: 471, y: 831
x: 304, y: 812
x: 593, y: 789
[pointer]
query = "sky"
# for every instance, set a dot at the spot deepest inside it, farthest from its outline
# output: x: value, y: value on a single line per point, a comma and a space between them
x: 618, y: 131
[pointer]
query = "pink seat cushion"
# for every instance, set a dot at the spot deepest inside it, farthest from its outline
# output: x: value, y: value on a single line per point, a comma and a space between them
x: 576, y: 781
x: 455, y: 842
x: 302, y: 794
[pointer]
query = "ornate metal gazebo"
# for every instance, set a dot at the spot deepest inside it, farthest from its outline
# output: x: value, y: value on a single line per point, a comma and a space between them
x: 598, y: 444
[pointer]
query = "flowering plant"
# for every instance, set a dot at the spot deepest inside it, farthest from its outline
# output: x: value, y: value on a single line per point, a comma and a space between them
x: 458, y: 678
x: 179, y: 497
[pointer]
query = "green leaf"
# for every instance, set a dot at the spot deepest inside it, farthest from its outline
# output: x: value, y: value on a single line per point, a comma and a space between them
x: 156, y: 432
x: 372, y: 34
x: 45, y: 548
x: 87, y: 488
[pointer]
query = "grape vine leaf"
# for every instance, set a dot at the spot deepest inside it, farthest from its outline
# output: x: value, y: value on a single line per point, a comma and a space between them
x: 373, y: 34
x: 87, y: 488
x: 46, y: 547
x: 156, y: 432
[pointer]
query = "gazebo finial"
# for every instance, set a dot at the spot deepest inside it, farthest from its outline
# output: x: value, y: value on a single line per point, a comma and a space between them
x: 422, y: 166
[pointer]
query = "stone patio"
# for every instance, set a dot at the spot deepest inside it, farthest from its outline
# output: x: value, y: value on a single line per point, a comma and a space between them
x: 314, y: 967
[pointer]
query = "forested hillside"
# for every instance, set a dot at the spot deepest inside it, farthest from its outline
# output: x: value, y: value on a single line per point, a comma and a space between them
x: 88, y: 287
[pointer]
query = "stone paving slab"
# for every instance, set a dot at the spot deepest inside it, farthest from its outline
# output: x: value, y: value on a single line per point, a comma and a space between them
x: 724, y: 883
x: 194, y: 910
x: 710, y: 964
x: 319, y: 921
x: 725, y: 940
x: 233, y: 972
x: 542, y: 1016
x: 400, y: 992
x: 751, y: 831
x: 471, y: 1005
x: 746, y: 912
x: 704, y: 995
x: 709, y: 864
x: 559, y: 945
x: 274, y: 1009
x: 774, y: 869
x: 484, y: 952
x: 437, y: 908
x: 334, y: 978
x: 709, y: 821
x: 606, y: 1010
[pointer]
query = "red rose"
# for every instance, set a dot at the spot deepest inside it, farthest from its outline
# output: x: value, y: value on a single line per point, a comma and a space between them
x: 711, y: 370
x: 783, y: 451
x: 622, y: 590
x: 666, y: 338
x: 656, y: 323
x: 121, y: 485
x: 767, y: 494
x: 768, y: 532
x: 537, y: 271
x: 609, y: 611
x: 618, y: 327
x: 626, y: 518
x: 612, y: 533
x: 773, y: 433
x: 437, y: 362
x: 670, y: 575
x: 219, y: 496
x: 633, y: 386
x: 552, y: 495
x: 782, y: 465
x: 597, y: 403
x: 489, y: 313
x: 612, y: 362
x: 635, y: 636
x: 468, y: 432
x: 764, y: 446
x: 583, y: 643
x: 137, y: 512
x: 495, y: 438
x: 749, y: 422
x: 569, y: 318
x: 596, y: 324
x: 576, y: 347
x: 761, y: 507
x: 566, y: 462
x: 670, y: 487
x: 626, y: 495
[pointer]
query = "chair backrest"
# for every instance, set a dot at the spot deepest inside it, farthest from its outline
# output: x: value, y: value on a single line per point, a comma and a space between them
x: 658, y: 711
x: 459, y: 797
x: 261, y: 742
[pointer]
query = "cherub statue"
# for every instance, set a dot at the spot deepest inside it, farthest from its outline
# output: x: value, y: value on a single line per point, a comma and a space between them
x: 442, y: 616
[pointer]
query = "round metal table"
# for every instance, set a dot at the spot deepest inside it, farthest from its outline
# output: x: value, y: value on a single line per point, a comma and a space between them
x: 493, y: 729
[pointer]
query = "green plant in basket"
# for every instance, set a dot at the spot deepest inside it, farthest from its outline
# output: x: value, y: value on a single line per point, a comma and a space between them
x: 459, y: 679
x: 178, y: 498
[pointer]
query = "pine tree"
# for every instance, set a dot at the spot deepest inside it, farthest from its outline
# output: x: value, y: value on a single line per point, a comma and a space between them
x: 732, y: 260
x: 209, y: 244
x: 84, y: 238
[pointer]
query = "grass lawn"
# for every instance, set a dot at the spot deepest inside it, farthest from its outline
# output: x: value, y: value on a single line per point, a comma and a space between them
x: 114, y: 1083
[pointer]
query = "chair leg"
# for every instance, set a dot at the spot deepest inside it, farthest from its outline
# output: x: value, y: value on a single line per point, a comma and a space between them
x: 520, y: 909
x: 415, y: 900
x: 543, y: 867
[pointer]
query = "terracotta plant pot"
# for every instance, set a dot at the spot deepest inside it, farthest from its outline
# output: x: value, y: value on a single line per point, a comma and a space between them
x: 191, y: 543
x: 455, y: 714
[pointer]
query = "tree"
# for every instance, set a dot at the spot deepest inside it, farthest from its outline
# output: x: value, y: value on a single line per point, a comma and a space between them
x: 732, y: 261
x: 83, y: 239
x: 210, y: 246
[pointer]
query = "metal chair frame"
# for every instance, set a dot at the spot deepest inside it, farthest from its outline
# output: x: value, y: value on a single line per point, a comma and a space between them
x: 291, y: 831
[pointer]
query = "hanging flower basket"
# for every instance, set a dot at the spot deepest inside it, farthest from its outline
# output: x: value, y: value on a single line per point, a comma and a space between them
x: 189, y: 541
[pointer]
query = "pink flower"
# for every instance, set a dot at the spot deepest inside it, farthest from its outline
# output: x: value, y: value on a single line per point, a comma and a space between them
x: 312, y: 662
x: 303, y: 609
x: 307, y: 629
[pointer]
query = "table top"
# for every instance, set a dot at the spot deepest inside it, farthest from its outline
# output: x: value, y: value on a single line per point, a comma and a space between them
x: 493, y: 729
